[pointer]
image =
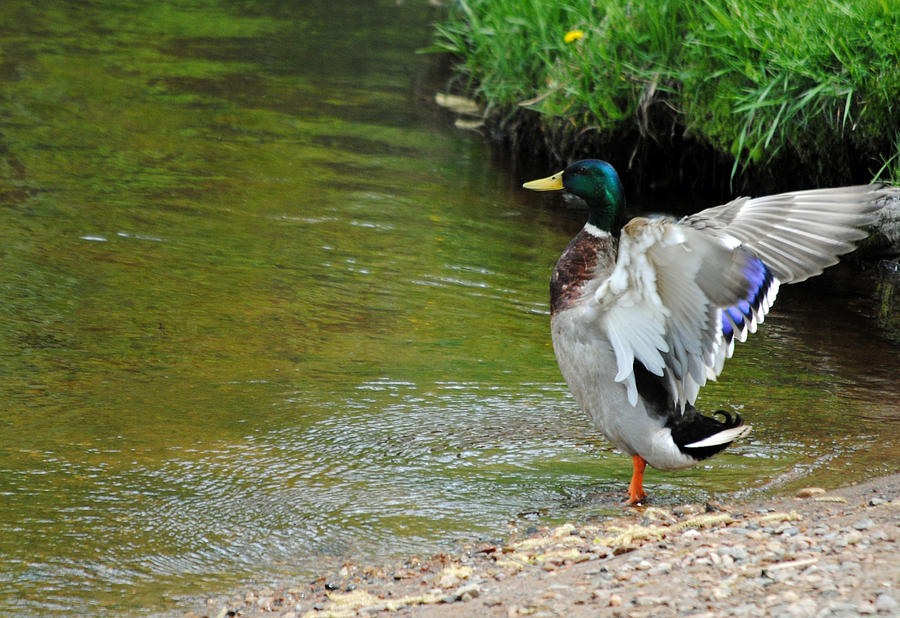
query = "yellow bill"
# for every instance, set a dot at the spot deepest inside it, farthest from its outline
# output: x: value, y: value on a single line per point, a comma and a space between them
x: 550, y: 183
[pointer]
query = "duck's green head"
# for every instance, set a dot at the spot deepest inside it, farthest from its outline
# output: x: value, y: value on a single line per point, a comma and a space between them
x: 597, y: 183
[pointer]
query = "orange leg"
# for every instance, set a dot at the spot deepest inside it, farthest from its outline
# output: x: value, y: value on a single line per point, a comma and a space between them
x: 636, y: 493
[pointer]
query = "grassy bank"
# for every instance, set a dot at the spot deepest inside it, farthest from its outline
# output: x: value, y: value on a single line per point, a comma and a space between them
x: 809, y: 89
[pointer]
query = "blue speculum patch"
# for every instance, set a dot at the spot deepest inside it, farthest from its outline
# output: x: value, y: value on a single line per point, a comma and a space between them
x: 759, y: 281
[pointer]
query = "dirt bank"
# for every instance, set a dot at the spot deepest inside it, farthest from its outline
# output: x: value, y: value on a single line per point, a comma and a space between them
x: 833, y: 553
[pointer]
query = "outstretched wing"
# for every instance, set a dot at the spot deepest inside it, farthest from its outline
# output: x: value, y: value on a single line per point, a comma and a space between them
x: 682, y: 292
x: 797, y: 235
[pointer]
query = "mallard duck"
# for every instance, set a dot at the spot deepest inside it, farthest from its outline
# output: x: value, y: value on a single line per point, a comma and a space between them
x: 643, y: 313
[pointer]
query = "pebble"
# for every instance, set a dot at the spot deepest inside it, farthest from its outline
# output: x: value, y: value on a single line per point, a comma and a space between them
x: 602, y: 595
x: 887, y: 604
x: 739, y: 553
x: 468, y: 592
x: 803, y: 608
x: 864, y: 524
x: 662, y: 568
x: 646, y: 601
x: 809, y: 492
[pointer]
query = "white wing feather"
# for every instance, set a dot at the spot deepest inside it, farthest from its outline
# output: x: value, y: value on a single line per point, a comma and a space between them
x: 656, y: 312
x: 682, y: 292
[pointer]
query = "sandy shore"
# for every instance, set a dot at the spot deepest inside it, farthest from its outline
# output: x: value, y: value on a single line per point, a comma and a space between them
x: 834, y: 553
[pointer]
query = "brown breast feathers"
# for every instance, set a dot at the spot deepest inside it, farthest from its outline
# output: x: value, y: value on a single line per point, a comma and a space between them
x: 585, y: 257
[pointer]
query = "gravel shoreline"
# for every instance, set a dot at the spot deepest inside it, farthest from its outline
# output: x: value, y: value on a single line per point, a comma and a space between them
x: 818, y: 553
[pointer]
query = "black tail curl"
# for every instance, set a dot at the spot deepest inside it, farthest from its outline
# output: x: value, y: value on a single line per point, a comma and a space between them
x: 729, y: 420
x: 693, y: 427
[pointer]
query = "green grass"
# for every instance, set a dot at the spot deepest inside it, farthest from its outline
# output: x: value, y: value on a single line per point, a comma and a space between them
x: 816, y: 82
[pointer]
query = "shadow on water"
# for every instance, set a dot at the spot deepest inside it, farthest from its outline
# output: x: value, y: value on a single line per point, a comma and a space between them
x: 262, y: 310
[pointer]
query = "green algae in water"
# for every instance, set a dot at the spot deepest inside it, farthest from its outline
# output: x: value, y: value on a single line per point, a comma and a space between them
x: 263, y: 310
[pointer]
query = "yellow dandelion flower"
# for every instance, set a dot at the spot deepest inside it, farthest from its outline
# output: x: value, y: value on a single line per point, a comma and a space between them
x: 573, y: 35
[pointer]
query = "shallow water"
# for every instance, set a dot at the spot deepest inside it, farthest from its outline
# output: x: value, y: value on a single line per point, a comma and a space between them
x: 262, y: 310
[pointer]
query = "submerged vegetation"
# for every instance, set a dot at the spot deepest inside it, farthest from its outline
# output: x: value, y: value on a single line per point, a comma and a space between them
x: 807, y: 88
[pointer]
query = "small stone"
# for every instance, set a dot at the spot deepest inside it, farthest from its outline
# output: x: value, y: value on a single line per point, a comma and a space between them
x: 864, y: 524
x: 720, y: 594
x: 739, y: 553
x: 876, y: 501
x: 746, y: 609
x: 840, y: 607
x: 615, y: 600
x: 790, y: 597
x: 448, y: 581
x: 886, y: 604
x: 468, y: 592
x: 879, y: 535
x: 865, y: 608
x: 803, y: 608
x: 809, y: 492
x: 663, y: 568
x: 646, y: 601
